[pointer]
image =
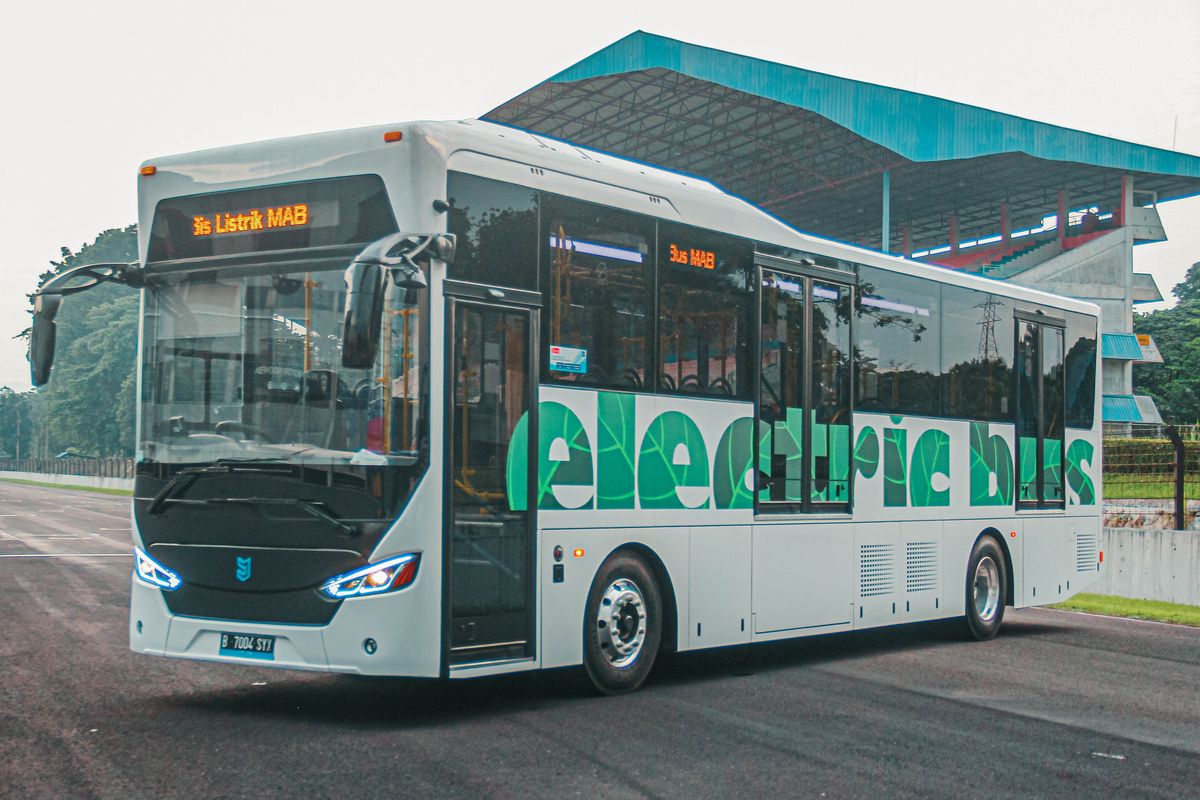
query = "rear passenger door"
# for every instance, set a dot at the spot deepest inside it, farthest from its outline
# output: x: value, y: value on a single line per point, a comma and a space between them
x: 1041, y: 410
x: 803, y: 572
x: 804, y: 389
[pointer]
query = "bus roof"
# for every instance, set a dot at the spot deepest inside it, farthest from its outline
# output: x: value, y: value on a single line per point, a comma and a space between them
x: 695, y: 201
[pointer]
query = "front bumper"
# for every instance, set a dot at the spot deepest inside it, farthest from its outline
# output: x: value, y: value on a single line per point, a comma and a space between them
x: 404, y: 629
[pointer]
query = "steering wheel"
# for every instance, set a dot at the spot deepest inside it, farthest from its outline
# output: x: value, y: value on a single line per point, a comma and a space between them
x: 228, y: 426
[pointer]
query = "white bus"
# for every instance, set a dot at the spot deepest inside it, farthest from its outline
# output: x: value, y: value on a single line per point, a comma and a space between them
x: 451, y: 399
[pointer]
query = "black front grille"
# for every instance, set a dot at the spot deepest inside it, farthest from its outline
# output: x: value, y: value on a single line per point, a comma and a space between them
x: 300, y: 607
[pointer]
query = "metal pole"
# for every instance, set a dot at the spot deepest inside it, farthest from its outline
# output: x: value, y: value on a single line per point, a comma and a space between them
x: 887, y: 211
x: 1180, y: 463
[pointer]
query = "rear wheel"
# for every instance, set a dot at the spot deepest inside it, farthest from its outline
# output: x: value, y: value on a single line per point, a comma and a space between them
x: 622, y: 624
x: 986, y: 589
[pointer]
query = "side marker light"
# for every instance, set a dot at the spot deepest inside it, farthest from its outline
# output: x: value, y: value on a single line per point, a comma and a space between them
x: 578, y: 552
x: 148, y: 170
x: 393, y: 136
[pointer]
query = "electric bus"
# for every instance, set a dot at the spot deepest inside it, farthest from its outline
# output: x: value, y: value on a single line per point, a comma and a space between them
x: 453, y: 399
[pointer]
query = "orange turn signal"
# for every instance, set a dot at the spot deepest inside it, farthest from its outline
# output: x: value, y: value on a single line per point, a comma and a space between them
x: 578, y: 552
x: 149, y: 170
x: 393, y: 136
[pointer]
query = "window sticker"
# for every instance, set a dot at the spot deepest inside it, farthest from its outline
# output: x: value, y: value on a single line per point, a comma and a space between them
x: 568, y: 359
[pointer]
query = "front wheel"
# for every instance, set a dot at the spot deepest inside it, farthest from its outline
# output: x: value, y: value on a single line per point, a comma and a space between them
x: 622, y: 624
x: 987, y: 584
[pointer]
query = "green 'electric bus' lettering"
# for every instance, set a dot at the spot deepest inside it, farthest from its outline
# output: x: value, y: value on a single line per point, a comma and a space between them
x: 616, y: 450
x: 673, y: 464
x: 670, y: 467
x: 1079, y: 460
x: 991, y: 470
x: 930, y: 465
x: 787, y: 443
x: 895, y: 477
x: 735, y: 458
x: 565, y: 477
x: 866, y: 452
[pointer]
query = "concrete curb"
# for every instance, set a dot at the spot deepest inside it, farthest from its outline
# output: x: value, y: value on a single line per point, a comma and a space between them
x: 71, y: 480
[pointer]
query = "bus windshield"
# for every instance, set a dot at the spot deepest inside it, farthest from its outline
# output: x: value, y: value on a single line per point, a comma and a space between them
x: 247, y: 367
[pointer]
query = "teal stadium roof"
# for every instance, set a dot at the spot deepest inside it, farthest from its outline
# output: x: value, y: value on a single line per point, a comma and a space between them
x: 1120, y: 346
x: 812, y: 148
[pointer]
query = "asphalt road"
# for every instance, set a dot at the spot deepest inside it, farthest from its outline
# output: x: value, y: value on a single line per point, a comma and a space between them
x: 1060, y: 705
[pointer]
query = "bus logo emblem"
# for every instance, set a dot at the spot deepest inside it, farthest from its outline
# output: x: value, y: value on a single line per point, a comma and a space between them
x: 243, y: 568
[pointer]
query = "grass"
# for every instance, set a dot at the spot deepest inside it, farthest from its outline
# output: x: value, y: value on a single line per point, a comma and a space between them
x: 72, y: 486
x: 1128, y: 487
x: 1155, y: 610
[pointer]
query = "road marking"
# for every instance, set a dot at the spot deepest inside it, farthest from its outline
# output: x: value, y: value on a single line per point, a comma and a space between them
x: 114, y: 529
x: 66, y: 555
x: 1110, y: 755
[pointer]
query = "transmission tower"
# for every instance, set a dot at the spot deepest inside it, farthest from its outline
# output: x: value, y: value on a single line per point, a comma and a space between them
x: 988, y: 349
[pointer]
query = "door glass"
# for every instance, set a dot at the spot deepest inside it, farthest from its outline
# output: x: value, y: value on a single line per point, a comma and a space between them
x: 781, y: 391
x: 1027, y: 411
x: 830, y: 393
x: 489, y: 537
x: 1053, y: 407
x: 804, y: 392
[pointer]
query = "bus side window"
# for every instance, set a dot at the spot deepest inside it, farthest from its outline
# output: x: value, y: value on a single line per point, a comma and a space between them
x: 706, y: 308
x: 599, y: 294
x: 899, y: 319
x: 496, y: 225
x: 1081, y: 371
x: 977, y: 355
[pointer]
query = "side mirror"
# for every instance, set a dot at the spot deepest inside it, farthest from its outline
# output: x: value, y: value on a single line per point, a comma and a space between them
x: 363, y: 317
x: 394, y: 253
x: 41, y: 337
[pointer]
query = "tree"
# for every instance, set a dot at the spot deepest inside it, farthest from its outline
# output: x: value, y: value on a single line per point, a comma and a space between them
x: 1174, y: 384
x: 17, y: 423
x: 89, y: 403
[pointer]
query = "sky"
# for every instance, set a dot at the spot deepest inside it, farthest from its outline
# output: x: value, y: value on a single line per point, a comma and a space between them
x: 92, y: 90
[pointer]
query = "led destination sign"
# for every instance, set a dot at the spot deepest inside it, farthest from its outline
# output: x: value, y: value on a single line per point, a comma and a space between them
x: 692, y: 257
x: 296, y: 215
x: 287, y: 216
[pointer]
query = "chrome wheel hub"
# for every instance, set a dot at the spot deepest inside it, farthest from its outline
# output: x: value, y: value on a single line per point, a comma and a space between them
x: 621, y: 622
x: 987, y: 589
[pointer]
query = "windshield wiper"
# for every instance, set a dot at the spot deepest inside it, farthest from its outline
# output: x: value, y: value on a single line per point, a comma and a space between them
x: 185, y: 478
x: 344, y: 530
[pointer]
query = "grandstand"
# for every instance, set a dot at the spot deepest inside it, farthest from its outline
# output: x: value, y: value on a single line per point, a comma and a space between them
x: 939, y: 181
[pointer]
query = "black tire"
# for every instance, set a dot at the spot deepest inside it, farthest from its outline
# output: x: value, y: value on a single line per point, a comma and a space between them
x: 986, y: 589
x: 622, y: 579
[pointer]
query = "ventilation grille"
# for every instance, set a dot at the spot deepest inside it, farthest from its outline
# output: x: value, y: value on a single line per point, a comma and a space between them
x: 877, y: 564
x: 921, y: 566
x: 1087, y: 547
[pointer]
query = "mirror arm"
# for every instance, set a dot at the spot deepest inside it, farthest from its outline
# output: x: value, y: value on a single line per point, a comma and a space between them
x: 128, y: 273
x: 428, y: 245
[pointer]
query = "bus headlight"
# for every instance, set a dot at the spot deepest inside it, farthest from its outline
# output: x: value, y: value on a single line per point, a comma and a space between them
x: 382, y: 576
x: 152, y: 573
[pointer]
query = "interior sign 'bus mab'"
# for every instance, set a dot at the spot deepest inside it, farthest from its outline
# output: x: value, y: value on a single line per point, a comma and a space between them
x: 255, y: 219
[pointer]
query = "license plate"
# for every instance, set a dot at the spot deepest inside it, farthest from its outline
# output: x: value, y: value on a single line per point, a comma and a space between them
x: 248, y: 645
